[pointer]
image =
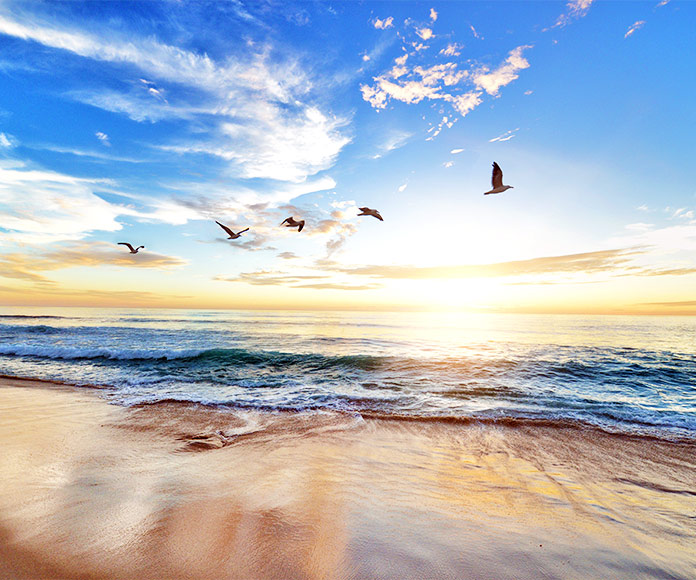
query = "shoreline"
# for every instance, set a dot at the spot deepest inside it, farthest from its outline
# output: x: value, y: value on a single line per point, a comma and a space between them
x: 92, y: 490
x: 463, y: 421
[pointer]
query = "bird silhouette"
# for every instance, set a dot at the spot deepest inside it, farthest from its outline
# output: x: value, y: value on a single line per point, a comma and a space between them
x: 131, y: 248
x: 497, y: 180
x: 372, y: 212
x: 290, y: 222
x: 232, y: 235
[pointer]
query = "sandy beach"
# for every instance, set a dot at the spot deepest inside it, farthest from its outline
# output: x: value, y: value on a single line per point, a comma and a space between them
x: 94, y: 490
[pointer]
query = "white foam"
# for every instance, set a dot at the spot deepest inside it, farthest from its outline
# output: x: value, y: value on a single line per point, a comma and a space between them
x: 70, y: 352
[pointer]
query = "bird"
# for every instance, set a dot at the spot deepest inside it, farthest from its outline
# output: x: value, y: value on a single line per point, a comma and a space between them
x: 232, y: 235
x: 291, y: 223
x: 372, y: 212
x: 131, y: 248
x: 497, y: 181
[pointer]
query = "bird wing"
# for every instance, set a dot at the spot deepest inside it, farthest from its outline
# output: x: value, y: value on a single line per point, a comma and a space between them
x: 363, y: 208
x: 301, y: 225
x: 244, y: 230
x: 228, y: 230
x: 286, y: 220
x: 378, y: 216
x: 131, y: 248
x: 497, y: 177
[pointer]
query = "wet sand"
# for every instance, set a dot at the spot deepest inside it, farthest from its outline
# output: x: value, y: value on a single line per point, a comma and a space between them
x: 93, y: 490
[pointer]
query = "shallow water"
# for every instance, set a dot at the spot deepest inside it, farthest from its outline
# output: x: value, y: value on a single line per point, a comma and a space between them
x: 634, y: 375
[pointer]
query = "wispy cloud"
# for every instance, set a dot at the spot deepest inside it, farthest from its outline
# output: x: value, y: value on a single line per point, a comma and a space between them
x: 637, y: 25
x: 252, y: 106
x: 394, y: 140
x: 5, y: 141
x: 575, y: 9
x: 97, y: 155
x: 308, y: 281
x: 59, y: 206
x: 505, y: 136
x: 433, y: 14
x: 585, y: 263
x: 30, y: 265
x: 103, y: 138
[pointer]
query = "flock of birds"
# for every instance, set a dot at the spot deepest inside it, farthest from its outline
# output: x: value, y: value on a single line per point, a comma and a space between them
x: 291, y: 222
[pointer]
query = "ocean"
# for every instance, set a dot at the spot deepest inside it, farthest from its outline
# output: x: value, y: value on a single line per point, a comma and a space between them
x: 621, y: 374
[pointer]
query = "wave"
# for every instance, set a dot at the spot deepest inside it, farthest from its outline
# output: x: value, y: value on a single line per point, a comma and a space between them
x: 220, y: 356
x: 79, y: 353
x: 34, y: 328
x: 24, y: 316
x: 656, y: 369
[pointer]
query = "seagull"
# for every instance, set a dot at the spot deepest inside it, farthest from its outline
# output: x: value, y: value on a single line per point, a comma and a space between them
x: 372, y: 212
x: 291, y: 223
x: 131, y: 248
x: 497, y: 180
x: 232, y: 235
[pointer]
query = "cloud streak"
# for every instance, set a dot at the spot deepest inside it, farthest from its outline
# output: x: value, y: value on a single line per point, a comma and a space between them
x: 587, y: 263
x: 637, y: 25
x: 29, y: 266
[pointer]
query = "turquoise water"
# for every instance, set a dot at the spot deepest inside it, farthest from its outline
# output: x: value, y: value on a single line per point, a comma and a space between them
x: 624, y: 374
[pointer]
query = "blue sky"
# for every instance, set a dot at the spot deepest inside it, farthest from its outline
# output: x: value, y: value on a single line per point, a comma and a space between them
x: 145, y: 122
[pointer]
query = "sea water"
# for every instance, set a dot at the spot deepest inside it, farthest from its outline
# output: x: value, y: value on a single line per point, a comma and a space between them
x: 632, y: 375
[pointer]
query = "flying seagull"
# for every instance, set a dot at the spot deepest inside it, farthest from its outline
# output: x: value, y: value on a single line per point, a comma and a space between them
x: 232, y: 235
x: 131, y: 248
x: 372, y: 212
x: 497, y: 180
x: 291, y: 223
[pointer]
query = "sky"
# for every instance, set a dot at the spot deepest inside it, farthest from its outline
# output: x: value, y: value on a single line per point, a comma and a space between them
x: 146, y: 122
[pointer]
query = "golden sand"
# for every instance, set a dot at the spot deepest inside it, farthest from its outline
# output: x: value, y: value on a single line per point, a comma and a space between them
x: 174, y: 491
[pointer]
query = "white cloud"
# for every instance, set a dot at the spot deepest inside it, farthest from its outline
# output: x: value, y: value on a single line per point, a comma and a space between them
x: 475, y: 33
x: 637, y: 25
x: 505, y: 136
x: 5, y: 141
x: 103, y: 138
x: 433, y: 14
x: 281, y: 147
x: 251, y: 105
x: 44, y: 206
x: 448, y: 164
x: 384, y: 24
x: 575, y: 9
x: 455, y: 151
x: 452, y: 49
x: 683, y: 213
x: 425, y: 33
x: 663, y: 3
x: 444, y: 82
x: 403, y: 187
x: 504, y: 74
